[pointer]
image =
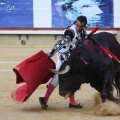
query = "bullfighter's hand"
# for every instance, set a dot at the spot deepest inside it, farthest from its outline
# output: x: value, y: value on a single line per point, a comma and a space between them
x: 48, y: 55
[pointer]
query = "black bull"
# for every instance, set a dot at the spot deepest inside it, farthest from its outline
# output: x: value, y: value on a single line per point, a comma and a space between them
x: 89, y: 64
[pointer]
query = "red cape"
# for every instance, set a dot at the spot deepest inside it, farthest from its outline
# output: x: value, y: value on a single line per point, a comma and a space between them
x: 33, y: 72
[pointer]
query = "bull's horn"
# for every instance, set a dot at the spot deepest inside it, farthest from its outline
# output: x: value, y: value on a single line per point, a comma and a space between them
x: 67, y: 68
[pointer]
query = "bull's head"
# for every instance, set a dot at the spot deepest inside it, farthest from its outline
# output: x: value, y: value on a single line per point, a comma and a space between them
x: 68, y: 79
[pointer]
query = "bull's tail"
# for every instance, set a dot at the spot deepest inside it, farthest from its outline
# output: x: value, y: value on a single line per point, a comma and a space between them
x: 117, y: 84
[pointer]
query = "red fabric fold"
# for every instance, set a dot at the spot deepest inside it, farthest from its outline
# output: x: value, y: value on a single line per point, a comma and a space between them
x: 33, y: 71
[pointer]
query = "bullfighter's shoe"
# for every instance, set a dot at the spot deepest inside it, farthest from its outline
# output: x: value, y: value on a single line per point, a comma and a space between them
x: 43, y: 103
x: 78, y: 106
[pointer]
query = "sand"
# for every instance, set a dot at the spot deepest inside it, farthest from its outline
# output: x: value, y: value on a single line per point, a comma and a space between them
x: 31, y: 110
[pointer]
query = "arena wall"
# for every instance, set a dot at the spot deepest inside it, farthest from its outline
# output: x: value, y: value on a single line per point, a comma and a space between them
x: 37, y: 37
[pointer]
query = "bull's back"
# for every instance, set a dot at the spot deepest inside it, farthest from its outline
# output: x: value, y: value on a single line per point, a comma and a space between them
x: 109, y: 41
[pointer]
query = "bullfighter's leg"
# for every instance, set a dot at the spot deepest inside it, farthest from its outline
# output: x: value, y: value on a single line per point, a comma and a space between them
x: 73, y: 103
x: 52, y: 85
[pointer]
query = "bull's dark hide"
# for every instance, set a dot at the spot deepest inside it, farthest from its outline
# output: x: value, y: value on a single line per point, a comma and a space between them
x: 89, y: 64
x: 108, y: 41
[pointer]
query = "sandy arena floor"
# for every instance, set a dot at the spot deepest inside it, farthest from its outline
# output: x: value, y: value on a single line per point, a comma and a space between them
x: 31, y: 109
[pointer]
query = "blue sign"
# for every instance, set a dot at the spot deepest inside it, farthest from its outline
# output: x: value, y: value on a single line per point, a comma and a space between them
x: 16, y: 13
x: 58, y: 13
x: 98, y: 12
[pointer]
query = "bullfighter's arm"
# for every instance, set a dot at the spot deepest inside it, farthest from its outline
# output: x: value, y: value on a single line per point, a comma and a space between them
x: 67, y: 37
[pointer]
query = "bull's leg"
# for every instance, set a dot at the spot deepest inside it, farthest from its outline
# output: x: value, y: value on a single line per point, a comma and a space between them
x: 107, y: 82
x: 107, y: 93
x: 110, y: 95
x: 117, y: 84
x: 103, y: 94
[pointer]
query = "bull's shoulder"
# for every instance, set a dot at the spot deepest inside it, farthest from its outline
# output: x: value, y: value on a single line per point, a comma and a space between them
x: 108, y: 41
